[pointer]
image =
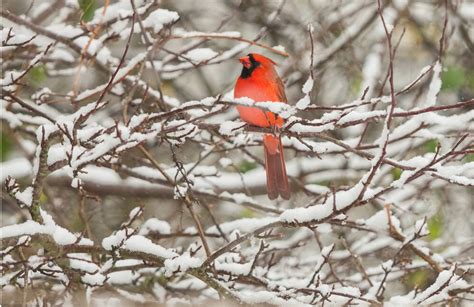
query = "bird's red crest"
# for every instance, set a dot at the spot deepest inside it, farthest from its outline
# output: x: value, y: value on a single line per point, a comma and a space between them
x: 263, y: 59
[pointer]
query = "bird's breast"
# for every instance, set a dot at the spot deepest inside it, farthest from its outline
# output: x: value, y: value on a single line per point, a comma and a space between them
x: 255, y: 89
x: 258, y: 91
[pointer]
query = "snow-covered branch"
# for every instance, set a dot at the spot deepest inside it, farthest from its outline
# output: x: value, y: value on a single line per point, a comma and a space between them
x: 127, y: 173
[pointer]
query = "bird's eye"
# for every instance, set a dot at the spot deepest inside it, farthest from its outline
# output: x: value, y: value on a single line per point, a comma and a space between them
x: 252, y: 59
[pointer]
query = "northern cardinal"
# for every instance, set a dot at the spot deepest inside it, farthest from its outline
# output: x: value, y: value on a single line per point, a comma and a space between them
x: 260, y: 82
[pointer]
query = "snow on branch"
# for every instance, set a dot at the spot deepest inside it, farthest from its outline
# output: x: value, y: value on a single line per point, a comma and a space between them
x: 127, y: 174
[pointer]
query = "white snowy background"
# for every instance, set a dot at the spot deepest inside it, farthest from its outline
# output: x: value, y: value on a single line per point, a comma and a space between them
x: 127, y: 177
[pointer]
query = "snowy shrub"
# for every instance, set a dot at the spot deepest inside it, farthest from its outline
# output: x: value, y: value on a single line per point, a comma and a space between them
x: 128, y: 177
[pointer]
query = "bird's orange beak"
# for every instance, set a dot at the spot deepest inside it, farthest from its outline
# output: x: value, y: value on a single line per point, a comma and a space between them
x: 245, y: 61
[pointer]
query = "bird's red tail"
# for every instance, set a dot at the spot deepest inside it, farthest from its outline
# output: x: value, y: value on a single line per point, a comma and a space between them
x: 277, y: 180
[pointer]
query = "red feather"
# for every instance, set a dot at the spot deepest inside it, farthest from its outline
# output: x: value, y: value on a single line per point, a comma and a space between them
x: 262, y: 83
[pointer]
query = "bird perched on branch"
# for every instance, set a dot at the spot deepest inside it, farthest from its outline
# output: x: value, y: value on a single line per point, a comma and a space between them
x: 260, y: 82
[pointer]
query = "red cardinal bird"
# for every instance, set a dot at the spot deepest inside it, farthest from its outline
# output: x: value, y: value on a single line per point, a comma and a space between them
x: 260, y: 82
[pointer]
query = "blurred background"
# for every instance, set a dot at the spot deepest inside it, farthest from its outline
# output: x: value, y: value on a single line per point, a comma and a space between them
x: 350, y: 61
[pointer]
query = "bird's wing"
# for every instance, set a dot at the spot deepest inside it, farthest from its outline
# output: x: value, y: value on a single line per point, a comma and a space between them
x: 280, y: 90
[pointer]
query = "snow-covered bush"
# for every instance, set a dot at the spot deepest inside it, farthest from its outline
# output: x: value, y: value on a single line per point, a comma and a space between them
x: 128, y: 176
